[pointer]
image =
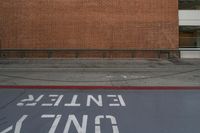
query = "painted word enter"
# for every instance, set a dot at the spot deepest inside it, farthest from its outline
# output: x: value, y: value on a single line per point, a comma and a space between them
x: 73, y: 101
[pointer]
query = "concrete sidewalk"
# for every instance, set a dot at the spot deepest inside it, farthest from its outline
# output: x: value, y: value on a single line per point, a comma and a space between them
x: 100, y: 72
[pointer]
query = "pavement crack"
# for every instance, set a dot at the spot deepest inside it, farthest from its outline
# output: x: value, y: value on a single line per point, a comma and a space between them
x: 14, y: 99
x: 90, y: 81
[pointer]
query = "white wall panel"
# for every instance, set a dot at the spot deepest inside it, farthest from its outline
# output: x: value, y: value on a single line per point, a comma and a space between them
x: 189, y: 17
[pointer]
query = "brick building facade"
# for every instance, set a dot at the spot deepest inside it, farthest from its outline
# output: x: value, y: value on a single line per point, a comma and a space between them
x: 89, y: 24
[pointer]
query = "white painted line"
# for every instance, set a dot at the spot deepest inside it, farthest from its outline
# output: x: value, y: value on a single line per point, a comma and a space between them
x: 80, y: 128
x: 73, y: 102
x: 114, y: 123
x: 31, y: 104
x: 47, y: 116
x: 121, y: 100
x: 115, y: 129
x: 55, y: 124
x: 115, y: 100
x: 97, y: 129
x: 39, y: 98
x: 97, y: 101
x: 20, y: 104
x: 47, y: 104
x: 114, y: 104
x: 58, y: 101
x: 7, y: 129
x: 112, y: 118
x: 30, y: 98
x: 53, y: 100
x: 19, y: 124
x: 111, y: 95
x: 53, y: 95
x: 98, y: 118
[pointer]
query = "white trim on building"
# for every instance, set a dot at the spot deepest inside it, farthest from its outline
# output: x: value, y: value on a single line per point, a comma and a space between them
x: 189, y: 17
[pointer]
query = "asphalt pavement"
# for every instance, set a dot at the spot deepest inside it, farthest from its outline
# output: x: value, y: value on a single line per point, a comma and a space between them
x: 30, y: 108
x: 99, y: 111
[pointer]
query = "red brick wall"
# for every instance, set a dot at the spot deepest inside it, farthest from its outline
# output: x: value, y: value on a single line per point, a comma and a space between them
x: 89, y: 23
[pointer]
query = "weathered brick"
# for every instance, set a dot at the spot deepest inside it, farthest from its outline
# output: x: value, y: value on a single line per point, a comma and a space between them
x: 106, y: 24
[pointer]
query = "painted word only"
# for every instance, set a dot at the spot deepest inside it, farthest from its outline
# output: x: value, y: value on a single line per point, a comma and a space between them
x: 80, y: 125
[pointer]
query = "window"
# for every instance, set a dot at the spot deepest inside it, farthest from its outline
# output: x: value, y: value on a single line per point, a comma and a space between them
x: 189, y: 4
x: 189, y: 36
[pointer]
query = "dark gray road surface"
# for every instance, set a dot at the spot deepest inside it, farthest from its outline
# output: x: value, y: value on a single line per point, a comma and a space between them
x: 70, y: 111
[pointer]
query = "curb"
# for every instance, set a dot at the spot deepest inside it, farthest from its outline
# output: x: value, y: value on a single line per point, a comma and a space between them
x: 105, y: 87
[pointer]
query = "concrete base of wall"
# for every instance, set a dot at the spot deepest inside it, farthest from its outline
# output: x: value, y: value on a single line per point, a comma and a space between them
x: 191, y: 53
x: 85, y: 54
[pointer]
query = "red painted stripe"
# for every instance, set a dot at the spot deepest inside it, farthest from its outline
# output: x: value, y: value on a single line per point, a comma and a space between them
x: 106, y: 87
